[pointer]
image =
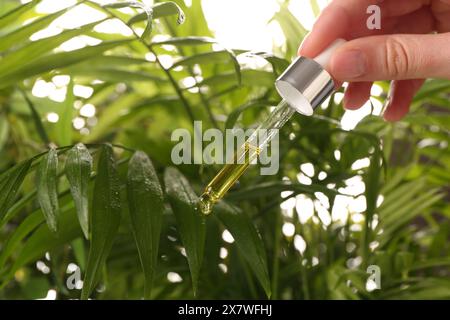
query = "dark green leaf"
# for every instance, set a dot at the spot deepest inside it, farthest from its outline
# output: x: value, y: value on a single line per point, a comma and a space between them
x: 37, y: 120
x: 78, y: 171
x: 10, y: 182
x: 27, y: 225
x: 247, y: 240
x: 273, y: 188
x: 105, y: 218
x: 191, y: 225
x: 146, y: 205
x: 43, y: 240
x: 47, y: 193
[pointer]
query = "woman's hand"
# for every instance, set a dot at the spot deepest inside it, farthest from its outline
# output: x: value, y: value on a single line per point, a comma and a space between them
x: 404, y: 50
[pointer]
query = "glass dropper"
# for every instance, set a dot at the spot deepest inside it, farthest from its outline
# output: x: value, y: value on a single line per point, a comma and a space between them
x: 246, y: 154
x: 304, y: 85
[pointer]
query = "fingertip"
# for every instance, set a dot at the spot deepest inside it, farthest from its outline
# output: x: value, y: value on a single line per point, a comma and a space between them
x: 401, y: 96
x: 356, y: 95
x: 325, y: 31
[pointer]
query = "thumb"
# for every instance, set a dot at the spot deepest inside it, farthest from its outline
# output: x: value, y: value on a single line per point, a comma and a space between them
x: 393, y: 57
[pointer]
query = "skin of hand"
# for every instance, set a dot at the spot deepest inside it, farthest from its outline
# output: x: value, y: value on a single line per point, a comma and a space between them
x: 412, y: 45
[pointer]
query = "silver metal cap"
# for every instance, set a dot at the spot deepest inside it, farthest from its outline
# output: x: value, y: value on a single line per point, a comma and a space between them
x: 305, y: 84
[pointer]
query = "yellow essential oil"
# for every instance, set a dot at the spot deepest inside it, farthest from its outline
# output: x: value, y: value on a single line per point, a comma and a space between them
x: 251, y: 149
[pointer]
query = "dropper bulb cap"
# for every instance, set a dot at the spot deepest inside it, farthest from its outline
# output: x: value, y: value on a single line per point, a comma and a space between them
x: 306, y: 84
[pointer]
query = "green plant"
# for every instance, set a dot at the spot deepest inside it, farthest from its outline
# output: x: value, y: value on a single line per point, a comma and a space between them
x: 87, y: 196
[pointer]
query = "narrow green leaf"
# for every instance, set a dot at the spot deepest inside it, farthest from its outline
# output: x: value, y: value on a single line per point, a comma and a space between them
x: 47, y: 193
x: 191, y: 225
x: 31, y: 222
x: 22, y: 34
x: 10, y: 182
x: 116, y: 75
x: 249, y: 78
x: 23, y: 56
x: 64, y: 125
x: 186, y: 41
x: 213, y: 57
x: 234, y: 115
x: 247, y: 240
x: 194, y: 41
x: 292, y: 29
x: 135, y: 4
x: 372, y: 180
x: 37, y: 120
x: 160, y: 10
x: 105, y: 218
x: 4, y: 131
x: 268, y: 189
x: 15, y: 14
x: 55, y: 61
x: 315, y: 7
x: 78, y: 171
x: 278, y: 64
x: 43, y: 240
x: 146, y: 204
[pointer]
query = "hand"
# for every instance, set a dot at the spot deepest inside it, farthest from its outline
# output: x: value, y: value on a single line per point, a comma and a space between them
x: 404, y: 50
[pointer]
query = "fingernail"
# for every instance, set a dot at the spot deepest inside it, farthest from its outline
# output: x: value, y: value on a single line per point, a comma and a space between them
x: 349, y: 64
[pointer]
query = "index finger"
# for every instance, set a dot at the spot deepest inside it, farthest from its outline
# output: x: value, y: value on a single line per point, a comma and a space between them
x: 342, y: 18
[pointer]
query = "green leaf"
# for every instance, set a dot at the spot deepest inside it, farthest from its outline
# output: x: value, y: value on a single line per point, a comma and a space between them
x: 22, y: 34
x: 195, y: 41
x: 135, y: 4
x: 47, y: 193
x: 247, y: 240
x: 249, y: 78
x: 105, y: 218
x: 292, y: 29
x: 43, y: 240
x: 10, y: 182
x: 13, y: 15
x: 23, y: 56
x: 64, y: 125
x: 116, y: 75
x: 185, y: 41
x: 372, y: 180
x: 57, y: 60
x: 213, y: 57
x: 37, y: 120
x: 269, y: 189
x: 31, y: 222
x: 146, y: 205
x: 278, y: 64
x: 78, y: 171
x: 4, y: 131
x: 315, y: 7
x: 191, y: 225
x: 160, y: 10
x: 234, y: 115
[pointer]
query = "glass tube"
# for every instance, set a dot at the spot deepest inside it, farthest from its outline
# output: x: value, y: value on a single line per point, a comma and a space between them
x: 244, y: 156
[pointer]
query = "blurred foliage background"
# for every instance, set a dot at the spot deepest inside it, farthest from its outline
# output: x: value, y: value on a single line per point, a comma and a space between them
x: 352, y: 190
